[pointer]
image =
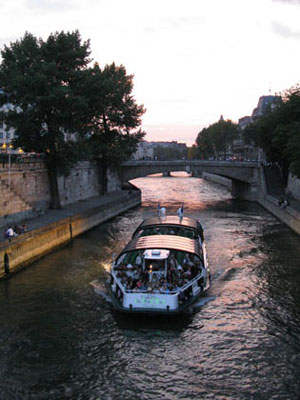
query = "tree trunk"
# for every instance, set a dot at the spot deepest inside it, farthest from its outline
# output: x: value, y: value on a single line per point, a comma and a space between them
x: 102, y: 170
x: 54, y: 193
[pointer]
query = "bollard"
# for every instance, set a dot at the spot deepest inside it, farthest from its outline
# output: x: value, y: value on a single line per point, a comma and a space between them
x: 6, y: 263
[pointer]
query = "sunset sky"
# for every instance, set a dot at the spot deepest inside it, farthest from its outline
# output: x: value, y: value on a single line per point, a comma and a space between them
x: 193, y: 60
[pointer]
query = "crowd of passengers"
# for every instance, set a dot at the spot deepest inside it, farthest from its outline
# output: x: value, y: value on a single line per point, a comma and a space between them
x: 152, y: 279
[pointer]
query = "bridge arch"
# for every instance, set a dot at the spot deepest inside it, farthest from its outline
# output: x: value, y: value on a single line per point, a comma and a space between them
x: 245, y: 176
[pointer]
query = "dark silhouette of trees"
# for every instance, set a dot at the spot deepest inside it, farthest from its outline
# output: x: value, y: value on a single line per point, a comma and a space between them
x: 61, y: 107
x: 115, y: 117
x: 216, y: 139
x: 169, y: 152
x: 41, y: 81
x: 278, y: 133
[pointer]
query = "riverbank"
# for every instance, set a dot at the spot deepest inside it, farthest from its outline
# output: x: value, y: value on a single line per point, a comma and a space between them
x: 270, y: 201
x: 289, y: 215
x: 56, y: 228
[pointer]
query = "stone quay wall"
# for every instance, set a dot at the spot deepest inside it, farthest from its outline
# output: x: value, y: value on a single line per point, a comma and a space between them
x: 28, y: 247
x: 293, y: 186
x: 289, y: 215
x: 218, y: 179
x: 25, y: 190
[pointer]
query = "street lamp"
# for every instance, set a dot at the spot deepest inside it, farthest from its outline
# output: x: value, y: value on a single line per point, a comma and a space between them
x: 7, y: 148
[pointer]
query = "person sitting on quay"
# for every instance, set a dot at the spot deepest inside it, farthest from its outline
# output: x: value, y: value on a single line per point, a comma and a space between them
x: 10, y: 233
x: 283, y: 203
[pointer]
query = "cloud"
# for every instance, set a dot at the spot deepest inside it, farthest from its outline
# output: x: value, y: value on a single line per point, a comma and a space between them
x: 57, y: 6
x: 47, y: 5
x: 6, y: 41
x: 183, y: 22
x: 175, y: 23
x: 288, y: 1
x: 285, y: 31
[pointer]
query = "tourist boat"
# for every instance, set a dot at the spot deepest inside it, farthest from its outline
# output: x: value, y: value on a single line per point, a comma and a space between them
x: 162, y: 270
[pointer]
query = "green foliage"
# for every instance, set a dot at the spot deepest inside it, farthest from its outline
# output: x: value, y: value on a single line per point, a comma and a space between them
x: 216, y: 139
x: 42, y: 81
x: 193, y: 152
x: 169, y: 153
x: 113, y: 117
x: 53, y: 92
x: 278, y: 132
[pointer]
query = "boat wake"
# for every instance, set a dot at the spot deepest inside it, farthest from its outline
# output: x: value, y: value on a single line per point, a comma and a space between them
x: 201, y: 302
x: 100, y: 289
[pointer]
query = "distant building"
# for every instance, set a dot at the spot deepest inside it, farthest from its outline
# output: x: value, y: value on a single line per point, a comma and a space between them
x: 265, y: 104
x: 146, y: 150
x: 171, y: 145
x: 244, y: 121
x: 249, y: 151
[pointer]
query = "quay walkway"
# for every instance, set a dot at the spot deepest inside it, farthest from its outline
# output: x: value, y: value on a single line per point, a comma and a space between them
x: 276, y: 189
x: 71, y: 210
x: 56, y: 228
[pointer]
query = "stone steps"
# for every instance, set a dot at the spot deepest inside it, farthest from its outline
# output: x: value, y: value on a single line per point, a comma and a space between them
x: 10, y: 201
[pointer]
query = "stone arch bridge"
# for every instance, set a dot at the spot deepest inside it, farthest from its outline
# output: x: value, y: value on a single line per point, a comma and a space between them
x: 245, y: 176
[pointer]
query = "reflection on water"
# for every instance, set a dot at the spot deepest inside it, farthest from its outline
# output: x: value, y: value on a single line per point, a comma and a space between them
x: 60, y: 339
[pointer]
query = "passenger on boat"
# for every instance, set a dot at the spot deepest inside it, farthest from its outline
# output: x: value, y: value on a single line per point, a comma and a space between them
x: 188, y: 274
x: 138, y: 260
x: 187, y: 261
x: 129, y: 270
x: 172, y: 261
x: 136, y: 274
x: 161, y: 211
x: 180, y: 212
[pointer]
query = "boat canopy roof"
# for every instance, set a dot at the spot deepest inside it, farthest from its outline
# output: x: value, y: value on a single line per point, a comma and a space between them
x: 169, y: 242
x: 170, y: 220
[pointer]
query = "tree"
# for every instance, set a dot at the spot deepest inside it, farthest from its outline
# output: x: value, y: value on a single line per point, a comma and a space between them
x: 169, y: 152
x: 216, y: 139
x: 114, y: 117
x: 43, y: 81
x: 193, y: 152
x: 278, y: 133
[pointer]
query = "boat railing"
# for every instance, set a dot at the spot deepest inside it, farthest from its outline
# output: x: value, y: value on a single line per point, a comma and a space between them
x: 170, y: 292
x: 190, y: 283
x: 120, y: 285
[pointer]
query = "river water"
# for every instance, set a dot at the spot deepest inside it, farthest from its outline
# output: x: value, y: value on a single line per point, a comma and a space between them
x: 59, y: 338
